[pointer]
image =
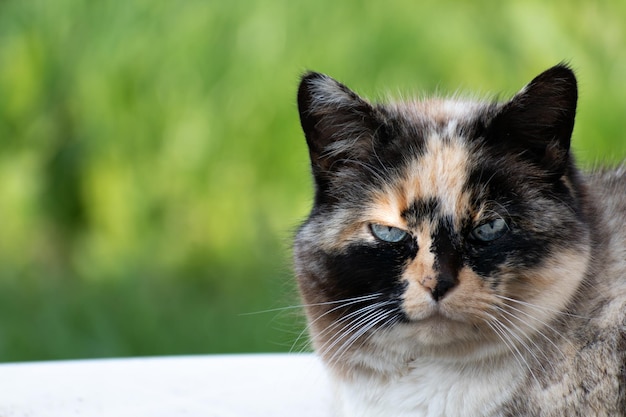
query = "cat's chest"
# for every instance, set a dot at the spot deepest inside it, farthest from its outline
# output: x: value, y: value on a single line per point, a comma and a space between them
x: 431, y: 389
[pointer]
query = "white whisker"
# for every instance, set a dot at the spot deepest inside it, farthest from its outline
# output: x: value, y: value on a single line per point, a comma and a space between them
x: 362, y: 311
x: 497, y: 329
x: 521, y: 331
x: 300, y: 306
x: 546, y: 325
x: 506, y: 333
x: 542, y: 308
x: 353, y: 324
x: 362, y: 317
x: 372, y: 322
x: 345, y: 303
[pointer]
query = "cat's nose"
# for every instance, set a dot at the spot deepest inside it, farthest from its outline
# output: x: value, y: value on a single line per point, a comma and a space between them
x: 442, y: 288
x: 439, y: 286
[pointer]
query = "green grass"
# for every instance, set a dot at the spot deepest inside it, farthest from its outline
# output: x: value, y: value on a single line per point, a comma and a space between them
x: 152, y: 170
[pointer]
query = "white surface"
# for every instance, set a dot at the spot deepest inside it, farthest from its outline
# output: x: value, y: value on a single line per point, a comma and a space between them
x: 222, y: 386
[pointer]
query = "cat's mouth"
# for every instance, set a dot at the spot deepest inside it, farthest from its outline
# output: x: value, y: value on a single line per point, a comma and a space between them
x: 437, y: 329
x: 434, y: 315
x: 451, y: 319
x: 419, y: 309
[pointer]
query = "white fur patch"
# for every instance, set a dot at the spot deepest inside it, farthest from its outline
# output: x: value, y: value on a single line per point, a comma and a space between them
x: 432, y: 388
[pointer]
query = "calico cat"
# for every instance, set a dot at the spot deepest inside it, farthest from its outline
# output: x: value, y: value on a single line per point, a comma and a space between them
x: 456, y: 262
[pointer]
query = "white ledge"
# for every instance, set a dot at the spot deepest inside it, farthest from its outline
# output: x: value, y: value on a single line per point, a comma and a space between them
x: 192, y: 386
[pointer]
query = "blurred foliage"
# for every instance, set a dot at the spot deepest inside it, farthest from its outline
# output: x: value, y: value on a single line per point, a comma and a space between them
x: 152, y: 169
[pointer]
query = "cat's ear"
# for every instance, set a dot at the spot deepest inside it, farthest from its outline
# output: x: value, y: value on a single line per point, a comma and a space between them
x: 539, y: 120
x: 337, y: 122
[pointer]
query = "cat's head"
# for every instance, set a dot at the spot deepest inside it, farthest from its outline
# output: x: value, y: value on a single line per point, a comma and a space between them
x: 439, y: 227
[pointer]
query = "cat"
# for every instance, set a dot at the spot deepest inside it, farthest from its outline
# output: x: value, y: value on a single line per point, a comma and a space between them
x: 456, y: 262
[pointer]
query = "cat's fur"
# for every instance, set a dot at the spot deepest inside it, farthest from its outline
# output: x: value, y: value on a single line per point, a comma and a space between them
x: 527, y: 321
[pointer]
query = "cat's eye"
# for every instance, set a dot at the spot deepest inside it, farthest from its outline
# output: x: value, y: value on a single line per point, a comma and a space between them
x: 490, y: 231
x: 388, y: 233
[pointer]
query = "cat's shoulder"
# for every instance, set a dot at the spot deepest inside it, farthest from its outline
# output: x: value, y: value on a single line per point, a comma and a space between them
x: 609, y: 176
x: 606, y: 193
x: 609, y: 182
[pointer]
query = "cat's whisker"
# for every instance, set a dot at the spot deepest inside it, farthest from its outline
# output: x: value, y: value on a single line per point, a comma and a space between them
x: 352, y: 337
x: 542, y: 323
x: 520, y: 340
x: 333, y: 326
x: 300, y: 306
x: 344, y: 332
x: 497, y: 328
x: 343, y: 304
x: 360, y: 312
x: 503, y: 338
x: 392, y: 317
x: 362, y: 316
x: 351, y: 318
x: 525, y: 334
x: 506, y: 333
x: 356, y: 319
x: 542, y: 308
x: 371, y: 322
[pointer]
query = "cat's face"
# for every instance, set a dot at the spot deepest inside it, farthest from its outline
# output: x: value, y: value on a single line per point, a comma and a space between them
x: 439, y: 227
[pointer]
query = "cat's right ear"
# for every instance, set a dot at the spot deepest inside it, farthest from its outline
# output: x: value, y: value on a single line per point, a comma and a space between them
x: 335, y: 120
x: 539, y: 120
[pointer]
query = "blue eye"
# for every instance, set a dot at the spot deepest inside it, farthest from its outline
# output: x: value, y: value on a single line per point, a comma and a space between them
x: 490, y: 231
x: 388, y: 233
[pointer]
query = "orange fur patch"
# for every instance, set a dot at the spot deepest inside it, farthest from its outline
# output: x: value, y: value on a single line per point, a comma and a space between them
x: 439, y: 173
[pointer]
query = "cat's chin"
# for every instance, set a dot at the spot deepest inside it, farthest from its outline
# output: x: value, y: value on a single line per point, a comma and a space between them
x: 442, y: 324
x: 439, y: 334
x: 389, y: 351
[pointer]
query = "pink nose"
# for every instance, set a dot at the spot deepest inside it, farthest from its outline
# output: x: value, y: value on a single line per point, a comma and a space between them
x: 437, y: 287
x: 429, y: 282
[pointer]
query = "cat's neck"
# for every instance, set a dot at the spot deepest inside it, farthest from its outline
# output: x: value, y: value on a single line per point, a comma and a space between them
x: 434, y: 387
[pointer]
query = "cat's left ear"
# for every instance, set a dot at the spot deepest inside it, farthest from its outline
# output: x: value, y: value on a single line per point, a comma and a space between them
x: 539, y: 120
x: 338, y: 124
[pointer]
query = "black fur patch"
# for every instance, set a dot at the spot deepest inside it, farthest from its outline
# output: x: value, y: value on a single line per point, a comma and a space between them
x: 448, y: 258
x: 421, y: 210
x: 364, y: 269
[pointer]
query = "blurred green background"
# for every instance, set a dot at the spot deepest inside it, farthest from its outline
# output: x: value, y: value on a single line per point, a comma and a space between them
x: 152, y: 170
